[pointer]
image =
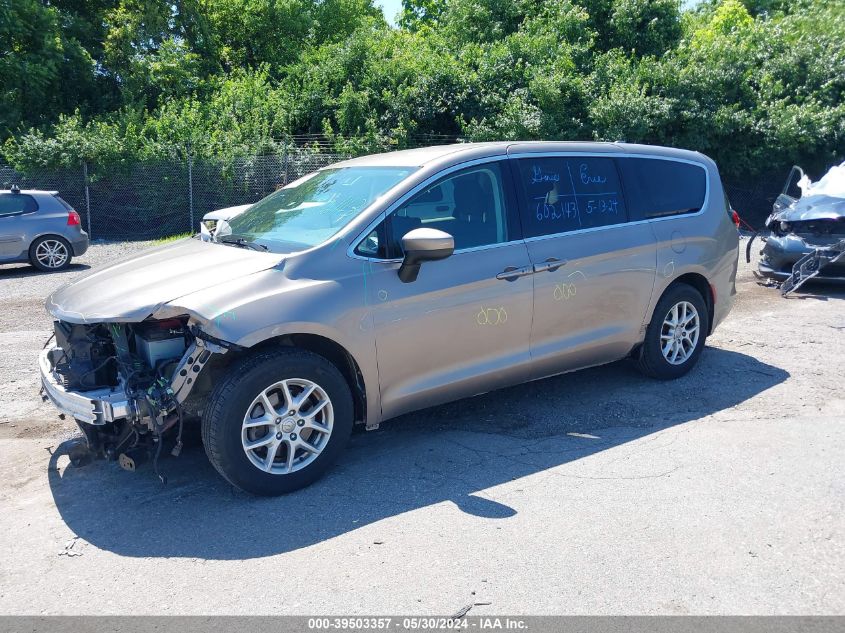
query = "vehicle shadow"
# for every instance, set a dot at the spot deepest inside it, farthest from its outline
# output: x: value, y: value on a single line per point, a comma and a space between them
x: 448, y: 453
x: 22, y: 271
x: 820, y: 290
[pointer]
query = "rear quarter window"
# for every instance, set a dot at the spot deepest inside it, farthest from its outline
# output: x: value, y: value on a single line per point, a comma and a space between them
x: 656, y: 187
x: 64, y: 203
x: 12, y: 203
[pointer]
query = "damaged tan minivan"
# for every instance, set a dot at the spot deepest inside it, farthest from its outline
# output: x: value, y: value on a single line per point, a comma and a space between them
x: 389, y: 283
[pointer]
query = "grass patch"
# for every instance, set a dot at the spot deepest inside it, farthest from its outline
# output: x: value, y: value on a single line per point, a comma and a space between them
x: 172, y: 238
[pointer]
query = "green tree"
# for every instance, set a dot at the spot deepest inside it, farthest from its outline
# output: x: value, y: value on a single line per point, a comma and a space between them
x: 276, y: 32
x: 417, y: 14
x: 757, y: 84
x: 532, y: 81
x: 645, y: 27
x: 157, y: 50
x: 479, y: 21
x: 43, y: 71
x: 380, y: 83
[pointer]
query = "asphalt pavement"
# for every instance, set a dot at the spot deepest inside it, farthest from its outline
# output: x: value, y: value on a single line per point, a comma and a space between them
x: 598, y: 492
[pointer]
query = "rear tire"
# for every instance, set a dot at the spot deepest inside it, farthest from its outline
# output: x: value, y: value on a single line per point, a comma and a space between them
x: 307, y: 406
x: 675, y: 337
x: 50, y: 253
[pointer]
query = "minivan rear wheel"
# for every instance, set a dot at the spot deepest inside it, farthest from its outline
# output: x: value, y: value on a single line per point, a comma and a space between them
x: 277, y: 421
x: 675, y: 337
x: 50, y: 253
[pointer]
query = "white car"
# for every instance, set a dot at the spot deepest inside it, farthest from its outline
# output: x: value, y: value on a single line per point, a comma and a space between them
x: 210, y: 219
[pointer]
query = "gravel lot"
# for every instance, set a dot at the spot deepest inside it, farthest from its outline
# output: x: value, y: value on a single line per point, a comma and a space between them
x: 596, y: 492
x: 25, y: 326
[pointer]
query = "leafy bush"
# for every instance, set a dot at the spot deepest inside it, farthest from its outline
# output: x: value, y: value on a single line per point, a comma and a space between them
x: 757, y: 84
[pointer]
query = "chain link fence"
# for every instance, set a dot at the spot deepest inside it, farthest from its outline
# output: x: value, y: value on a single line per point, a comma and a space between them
x: 156, y: 199
x: 753, y: 198
x: 150, y: 200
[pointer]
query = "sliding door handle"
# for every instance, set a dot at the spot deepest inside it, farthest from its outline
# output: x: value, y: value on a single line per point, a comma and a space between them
x: 551, y: 265
x: 511, y: 273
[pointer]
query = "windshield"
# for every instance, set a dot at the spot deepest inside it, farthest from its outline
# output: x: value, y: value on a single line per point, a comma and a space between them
x: 312, y: 209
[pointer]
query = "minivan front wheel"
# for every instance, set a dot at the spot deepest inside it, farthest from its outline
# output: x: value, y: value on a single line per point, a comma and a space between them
x: 675, y: 337
x: 277, y: 421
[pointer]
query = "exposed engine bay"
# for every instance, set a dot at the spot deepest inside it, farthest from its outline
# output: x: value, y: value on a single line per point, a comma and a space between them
x: 804, y: 238
x: 127, y: 384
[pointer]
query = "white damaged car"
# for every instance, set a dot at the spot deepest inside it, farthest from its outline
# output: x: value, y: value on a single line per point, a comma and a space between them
x: 211, y: 219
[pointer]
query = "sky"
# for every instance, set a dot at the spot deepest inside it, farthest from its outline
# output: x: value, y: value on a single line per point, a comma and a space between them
x: 390, y: 8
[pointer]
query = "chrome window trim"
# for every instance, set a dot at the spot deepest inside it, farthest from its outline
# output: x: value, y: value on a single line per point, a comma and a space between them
x: 552, y: 154
x: 471, y: 249
x: 591, y: 229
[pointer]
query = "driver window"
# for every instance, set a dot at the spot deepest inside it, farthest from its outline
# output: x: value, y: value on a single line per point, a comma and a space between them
x: 469, y: 205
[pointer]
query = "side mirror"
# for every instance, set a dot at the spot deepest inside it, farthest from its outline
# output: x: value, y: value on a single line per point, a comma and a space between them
x: 423, y: 245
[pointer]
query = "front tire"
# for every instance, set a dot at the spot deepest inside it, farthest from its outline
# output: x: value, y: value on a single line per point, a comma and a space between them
x: 675, y: 337
x: 50, y: 253
x: 277, y: 421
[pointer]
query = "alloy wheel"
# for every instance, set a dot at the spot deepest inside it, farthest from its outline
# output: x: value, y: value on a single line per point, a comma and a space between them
x: 51, y: 253
x: 680, y: 332
x: 287, y: 426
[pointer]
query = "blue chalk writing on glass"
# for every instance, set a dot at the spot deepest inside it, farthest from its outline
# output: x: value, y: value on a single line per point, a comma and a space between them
x: 572, y: 182
x: 546, y: 211
x: 557, y: 211
x: 587, y: 178
x: 537, y: 175
x: 603, y: 205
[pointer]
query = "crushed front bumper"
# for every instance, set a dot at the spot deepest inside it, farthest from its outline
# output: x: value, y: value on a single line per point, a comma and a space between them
x: 780, y: 254
x: 98, y: 406
x: 783, y: 275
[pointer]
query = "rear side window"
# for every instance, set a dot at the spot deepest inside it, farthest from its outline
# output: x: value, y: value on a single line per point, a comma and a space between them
x: 11, y: 203
x: 561, y: 194
x: 64, y: 203
x: 657, y: 188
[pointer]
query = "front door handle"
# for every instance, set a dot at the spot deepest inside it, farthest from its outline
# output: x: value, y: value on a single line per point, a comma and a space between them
x: 512, y: 273
x: 551, y: 265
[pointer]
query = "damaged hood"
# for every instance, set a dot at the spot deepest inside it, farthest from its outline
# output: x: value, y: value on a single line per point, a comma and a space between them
x: 134, y: 288
x: 812, y: 208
